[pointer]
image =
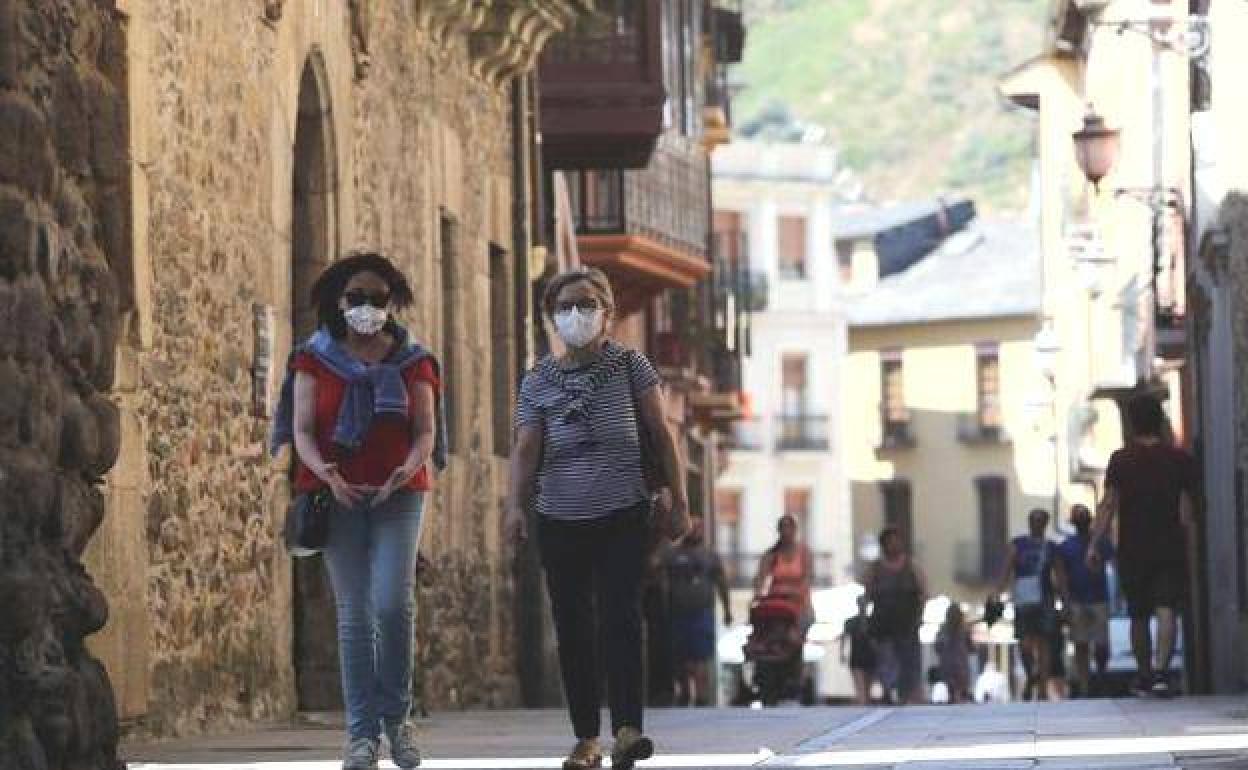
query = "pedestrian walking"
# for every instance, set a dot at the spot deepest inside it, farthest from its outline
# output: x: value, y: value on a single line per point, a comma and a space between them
x: 1029, y: 579
x: 580, y: 419
x: 1086, y: 601
x: 1150, y: 485
x: 953, y: 650
x: 861, y: 656
x: 897, y: 590
x: 695, y: 577
x: 787, y: 570
x: 361, y: 404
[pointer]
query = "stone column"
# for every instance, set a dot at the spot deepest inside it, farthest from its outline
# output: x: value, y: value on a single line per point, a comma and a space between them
x: 64, y: 252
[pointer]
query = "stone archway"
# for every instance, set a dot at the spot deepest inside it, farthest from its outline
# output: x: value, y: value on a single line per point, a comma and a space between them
x: 313, y: 246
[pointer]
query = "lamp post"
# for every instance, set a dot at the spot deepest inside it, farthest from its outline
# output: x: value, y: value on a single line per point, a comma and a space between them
x: 1046, y: 347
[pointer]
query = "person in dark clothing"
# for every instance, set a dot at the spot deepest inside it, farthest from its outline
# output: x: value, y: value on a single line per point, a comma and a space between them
x: 1029, y: 576
x: 578, y: 462
x: 1087, y: 599
x: 694, y: 577
x: 898, y: 590
x: 861, y: 657
x: 1150, y: 486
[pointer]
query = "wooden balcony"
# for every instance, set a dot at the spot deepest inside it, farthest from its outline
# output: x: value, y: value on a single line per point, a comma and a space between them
x: 602, y: 91
x: 647, y: 229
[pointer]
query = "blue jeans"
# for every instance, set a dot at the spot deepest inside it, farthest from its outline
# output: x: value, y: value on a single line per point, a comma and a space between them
x: 371, y: 558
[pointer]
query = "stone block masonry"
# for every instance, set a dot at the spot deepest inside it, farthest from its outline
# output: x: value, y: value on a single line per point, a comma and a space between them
x: 64, y: 256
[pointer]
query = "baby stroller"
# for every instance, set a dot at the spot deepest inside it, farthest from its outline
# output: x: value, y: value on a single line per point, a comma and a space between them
x: 774, y: 647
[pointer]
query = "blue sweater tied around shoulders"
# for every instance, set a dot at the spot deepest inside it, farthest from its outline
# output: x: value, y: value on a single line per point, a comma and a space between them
x: 371, y: 390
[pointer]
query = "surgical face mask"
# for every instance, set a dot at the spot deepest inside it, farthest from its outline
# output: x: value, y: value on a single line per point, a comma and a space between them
x: 365, y: 319
x: 578, y: 327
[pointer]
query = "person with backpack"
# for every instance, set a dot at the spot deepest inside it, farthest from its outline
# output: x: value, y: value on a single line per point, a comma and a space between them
x: 582, y: 419
x: 695, y: 576
x: 898, y: 590
x: 1151, y: 487
x: 1030, y: 579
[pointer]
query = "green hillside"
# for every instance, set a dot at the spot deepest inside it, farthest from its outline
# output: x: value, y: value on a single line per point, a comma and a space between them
x: 906, y: 88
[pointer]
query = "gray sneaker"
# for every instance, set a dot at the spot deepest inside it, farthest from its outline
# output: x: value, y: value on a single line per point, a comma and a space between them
x: 361, y: 754
x: 403, y: 751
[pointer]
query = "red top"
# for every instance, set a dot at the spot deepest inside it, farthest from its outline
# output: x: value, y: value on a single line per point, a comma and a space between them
x: 385, y: 446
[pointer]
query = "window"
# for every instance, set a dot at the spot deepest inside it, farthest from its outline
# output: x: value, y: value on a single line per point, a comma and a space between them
x: 893, y: 413
x: 730, y: 245
x: 988, y: 385
x: 897, y: 510
x: 501, y: 356
x: 791, y: 233
x: 845, y: 260
x: 993, y: 525
x: 797, y: 505
x: 793, y: 383
x: 728, y: 534
x: 449, y: 250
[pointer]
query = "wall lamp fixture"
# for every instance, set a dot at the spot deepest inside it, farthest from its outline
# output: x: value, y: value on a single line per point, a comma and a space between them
x: 1190, y: 35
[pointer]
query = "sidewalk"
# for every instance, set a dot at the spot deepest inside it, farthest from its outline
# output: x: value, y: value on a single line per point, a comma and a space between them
x: 1190, y: 732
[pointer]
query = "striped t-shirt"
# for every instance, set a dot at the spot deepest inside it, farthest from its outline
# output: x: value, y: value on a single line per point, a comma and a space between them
x: 591, y: 456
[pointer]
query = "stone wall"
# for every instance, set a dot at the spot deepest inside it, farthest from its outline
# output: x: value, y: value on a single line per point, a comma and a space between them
x: 64, y: 252
x: 413, y: 135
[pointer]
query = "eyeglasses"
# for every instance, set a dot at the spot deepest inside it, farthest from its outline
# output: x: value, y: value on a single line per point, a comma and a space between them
x: 584, y: 304
x: 357, y: 297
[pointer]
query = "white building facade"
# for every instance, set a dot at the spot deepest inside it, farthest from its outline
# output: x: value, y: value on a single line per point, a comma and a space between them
x: 775, y: 201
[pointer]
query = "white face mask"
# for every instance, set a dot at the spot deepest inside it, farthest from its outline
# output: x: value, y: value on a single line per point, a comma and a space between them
x: 577, y: 328
x: 365, y: 319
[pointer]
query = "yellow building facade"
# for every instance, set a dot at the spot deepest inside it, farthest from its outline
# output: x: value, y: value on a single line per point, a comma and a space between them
x: 946, y: 430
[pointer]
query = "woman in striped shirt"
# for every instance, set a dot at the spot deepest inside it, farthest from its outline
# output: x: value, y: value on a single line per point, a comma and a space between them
x: 577, y: 461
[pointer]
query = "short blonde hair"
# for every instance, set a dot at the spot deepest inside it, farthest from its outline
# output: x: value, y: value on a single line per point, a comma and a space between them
x: 597, y: 280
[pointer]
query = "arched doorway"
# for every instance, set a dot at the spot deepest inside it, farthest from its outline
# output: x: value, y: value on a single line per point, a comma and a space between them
x: 313, y: 245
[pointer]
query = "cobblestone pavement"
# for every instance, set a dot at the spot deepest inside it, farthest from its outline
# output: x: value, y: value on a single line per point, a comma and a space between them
x: 1186, y: 733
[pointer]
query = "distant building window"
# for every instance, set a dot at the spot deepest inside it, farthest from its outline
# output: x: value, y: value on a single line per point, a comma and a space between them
x: 730, y: 237
x: 791, y: 237
x: 894, y: 416
x: 797, y: 505
x: 993, y: 525
x: 898, y: 513
x: 728, y: 534
x: 845, y: 260
x: 988, y: 385
x: 793, y: 387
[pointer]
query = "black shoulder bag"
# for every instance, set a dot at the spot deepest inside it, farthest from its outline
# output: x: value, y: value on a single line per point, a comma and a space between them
x: 307, y: 522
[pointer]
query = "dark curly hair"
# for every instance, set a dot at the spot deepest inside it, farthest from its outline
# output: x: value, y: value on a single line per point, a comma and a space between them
x: 1145, y: 415
x: 331, y: 283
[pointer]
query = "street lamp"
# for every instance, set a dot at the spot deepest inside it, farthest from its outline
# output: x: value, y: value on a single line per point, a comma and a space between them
x: 1045, y: 348
x: 1096, y: 147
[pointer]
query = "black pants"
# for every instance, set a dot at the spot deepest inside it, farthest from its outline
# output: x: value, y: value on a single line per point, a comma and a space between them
x: 593, y: 574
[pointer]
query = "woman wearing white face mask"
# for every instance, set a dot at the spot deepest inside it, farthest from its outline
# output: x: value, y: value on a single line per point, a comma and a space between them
x: 578, y: 461
x: 361, y: 405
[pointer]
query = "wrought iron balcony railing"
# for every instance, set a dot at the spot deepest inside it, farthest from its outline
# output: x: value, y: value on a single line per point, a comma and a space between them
x: 974, y: 429
x: 667, y: 201
x: 802, y: 432
x: 747, y: 435
x: 895, y: 430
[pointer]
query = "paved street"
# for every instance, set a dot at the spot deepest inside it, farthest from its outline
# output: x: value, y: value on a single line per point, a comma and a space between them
x: 1188, y: 733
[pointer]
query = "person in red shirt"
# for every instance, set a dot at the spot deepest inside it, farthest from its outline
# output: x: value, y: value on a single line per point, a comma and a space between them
x: 1150, y: 486
x: 364, y: 426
